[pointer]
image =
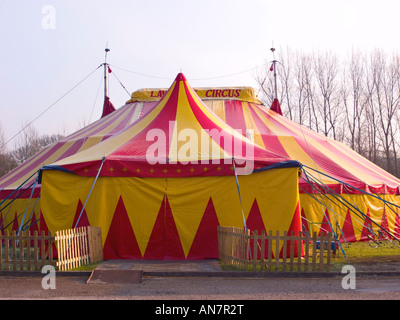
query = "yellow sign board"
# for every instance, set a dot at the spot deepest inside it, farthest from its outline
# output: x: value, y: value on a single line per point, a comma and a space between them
x: 232, y: 93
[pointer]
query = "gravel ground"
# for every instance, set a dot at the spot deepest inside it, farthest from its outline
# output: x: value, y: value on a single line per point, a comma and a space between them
x: 193, y: 298
x: 168, y: 288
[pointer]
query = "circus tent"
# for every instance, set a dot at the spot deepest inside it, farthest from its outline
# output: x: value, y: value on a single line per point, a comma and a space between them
x: 340, y: 191
x: 160, y: 187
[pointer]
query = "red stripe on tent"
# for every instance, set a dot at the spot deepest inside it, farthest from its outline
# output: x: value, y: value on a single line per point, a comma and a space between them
x: 304, y: 222
x: 127, y: 119
x: 164, y: 242
x: 396, y: 231
x: 295, y: 228
x: 383, y: 232
x: 33, y: 226
x: 367, y: 233
x: 234, y: 115
x: 43, y: 224
x: 325, y: 225
x: 98, y: 125
x: 45, y: 229
x: 237, y: 147
x: 348, y: 234
x: 83, y: 220
x: 205, y: 243
x: 23, y: 193
x: 121, y: 242
x: 15, y: 225
x: 74, y: 148
x: 363, y: 164
x: 139, y: 145
x: 270, y: 140
x: 255, y: 222
x: 329, y: 166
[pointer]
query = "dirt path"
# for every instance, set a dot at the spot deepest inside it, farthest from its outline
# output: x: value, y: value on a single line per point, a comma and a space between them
x: 159, y: 288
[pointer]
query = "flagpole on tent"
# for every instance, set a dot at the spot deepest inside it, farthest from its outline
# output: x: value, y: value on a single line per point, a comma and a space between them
x: 273, y: 68
x: 105, y: 73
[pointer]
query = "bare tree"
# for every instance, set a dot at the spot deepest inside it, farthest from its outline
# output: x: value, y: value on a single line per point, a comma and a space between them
x: 326, y: 70
x: 354, y: 101
x: 386, y: 77
x: 26, y: 144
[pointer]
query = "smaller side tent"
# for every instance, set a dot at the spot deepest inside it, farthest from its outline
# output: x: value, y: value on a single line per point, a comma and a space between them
x: 160, y: 187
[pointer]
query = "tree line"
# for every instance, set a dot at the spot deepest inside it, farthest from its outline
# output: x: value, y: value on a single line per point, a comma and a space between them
x: 27, y: 144
x: 354, y: 100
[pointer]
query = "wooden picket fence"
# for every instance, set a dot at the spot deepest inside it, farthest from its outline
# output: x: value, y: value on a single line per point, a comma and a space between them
x: 66, y: 250
x: 79, y: 246
x: 252, y: 251
x: 23, y: 251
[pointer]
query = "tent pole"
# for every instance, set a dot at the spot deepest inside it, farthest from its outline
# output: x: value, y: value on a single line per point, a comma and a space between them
x: 105, y: 73
x: 91, y: 189
x: 274, y: 67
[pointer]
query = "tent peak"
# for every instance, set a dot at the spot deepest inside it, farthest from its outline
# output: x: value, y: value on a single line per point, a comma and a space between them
x: 180, y: 77
x: 276, y: 106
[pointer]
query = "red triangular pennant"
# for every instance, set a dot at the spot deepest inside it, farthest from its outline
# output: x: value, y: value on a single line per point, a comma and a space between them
x: 121, y: 242
x: 396, y: 231
x: 155, y: 248
x: 1, y: 225
x: 295, y: 228
x: 254, y: 219
x: 255, y: 222
x: 33, y: 226
x: 172, y: 245
x: 43, y: 227
x: 164, y: 242
x: 205, y: 243
x: 384, y: 232
x: 83, y: 220
x: 348, y: 234
x: 304, y: 222
x: 15, y: 225
x: 325, y: 225
x: 367, y: 233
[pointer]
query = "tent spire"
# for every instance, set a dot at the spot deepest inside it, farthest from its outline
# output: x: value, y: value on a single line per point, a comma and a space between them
x: 105, y: 73
x: 275, y: 104
x: 107, y: 106
x: 274, y: 69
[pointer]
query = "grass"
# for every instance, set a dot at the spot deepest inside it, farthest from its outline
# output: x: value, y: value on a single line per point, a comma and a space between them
x: 368, y: 255
x: 86, y: 267
x: 365, y: 256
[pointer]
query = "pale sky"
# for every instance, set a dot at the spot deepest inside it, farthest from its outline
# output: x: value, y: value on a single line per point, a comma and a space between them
x: 44, y: 54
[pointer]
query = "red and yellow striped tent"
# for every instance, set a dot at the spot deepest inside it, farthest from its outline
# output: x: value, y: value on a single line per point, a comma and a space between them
x: 340, y: 191
x: 160, y: 187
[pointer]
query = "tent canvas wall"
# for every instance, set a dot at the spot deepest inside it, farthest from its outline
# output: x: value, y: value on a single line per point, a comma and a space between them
x: 162, y: 197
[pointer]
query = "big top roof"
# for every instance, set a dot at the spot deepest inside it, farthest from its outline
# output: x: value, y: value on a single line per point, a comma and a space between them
x: 182, y: 136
